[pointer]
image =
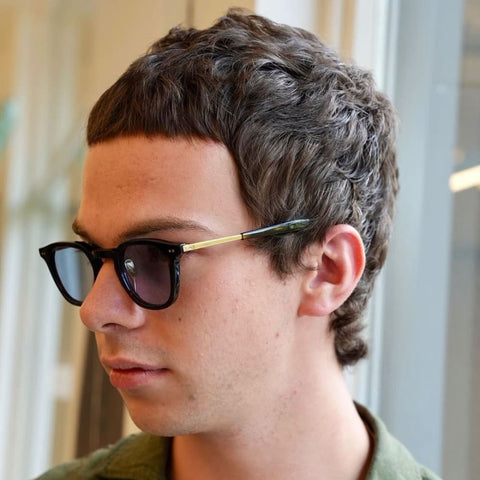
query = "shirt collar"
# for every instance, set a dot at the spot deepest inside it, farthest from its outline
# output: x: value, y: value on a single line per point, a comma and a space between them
x: 390, y: 458
x: 142, y: 456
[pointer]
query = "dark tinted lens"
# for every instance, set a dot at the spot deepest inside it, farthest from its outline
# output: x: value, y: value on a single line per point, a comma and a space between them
x: 75, y: 272
x: 148, y: 272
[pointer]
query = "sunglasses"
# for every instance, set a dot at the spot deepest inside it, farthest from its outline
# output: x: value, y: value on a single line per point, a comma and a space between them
x: 148, y: 269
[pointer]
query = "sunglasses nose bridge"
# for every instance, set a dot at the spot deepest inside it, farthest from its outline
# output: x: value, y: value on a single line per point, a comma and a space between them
x: 101, y: 254
x: 116, y: 255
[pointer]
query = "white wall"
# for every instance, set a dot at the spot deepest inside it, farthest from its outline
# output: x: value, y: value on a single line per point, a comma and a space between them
x: 417, y: 276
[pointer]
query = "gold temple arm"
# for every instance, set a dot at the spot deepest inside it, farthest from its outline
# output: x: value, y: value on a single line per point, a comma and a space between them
x: 188, y: 247
x: 279, y: 229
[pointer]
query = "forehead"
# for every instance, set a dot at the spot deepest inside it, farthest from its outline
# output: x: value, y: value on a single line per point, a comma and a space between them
x: 135, y: 180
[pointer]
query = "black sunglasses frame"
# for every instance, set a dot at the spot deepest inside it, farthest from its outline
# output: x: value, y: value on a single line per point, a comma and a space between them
x: 96, y: 255
x: 173, y: 252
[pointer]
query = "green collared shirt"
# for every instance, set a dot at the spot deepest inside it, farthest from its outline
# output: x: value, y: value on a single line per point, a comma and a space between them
x: 145, y: 457
x: 391, y: 460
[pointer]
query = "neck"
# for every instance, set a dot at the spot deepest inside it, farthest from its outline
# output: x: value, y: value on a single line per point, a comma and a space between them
x: 316, y: 433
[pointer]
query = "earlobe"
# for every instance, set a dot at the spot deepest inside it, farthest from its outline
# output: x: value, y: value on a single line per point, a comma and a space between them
x: 334, y: 268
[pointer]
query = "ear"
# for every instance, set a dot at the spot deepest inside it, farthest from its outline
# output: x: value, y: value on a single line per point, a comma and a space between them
x: 334, y: 268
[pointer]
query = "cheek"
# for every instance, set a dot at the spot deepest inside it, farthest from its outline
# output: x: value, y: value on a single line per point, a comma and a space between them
x: 234, y: 311
x: 224, y: 298
x: 233, y: 325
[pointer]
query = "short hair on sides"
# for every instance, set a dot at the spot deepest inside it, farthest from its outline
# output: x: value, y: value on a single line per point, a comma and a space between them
x: 310, y: 134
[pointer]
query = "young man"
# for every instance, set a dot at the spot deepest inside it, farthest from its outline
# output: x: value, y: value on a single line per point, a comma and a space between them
x: 228, y: 349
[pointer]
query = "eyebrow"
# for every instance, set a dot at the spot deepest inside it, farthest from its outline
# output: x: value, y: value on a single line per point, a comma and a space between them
x: 145, y: 228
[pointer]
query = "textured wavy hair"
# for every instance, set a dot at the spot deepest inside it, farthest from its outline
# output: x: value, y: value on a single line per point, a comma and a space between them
x: 310, y: 134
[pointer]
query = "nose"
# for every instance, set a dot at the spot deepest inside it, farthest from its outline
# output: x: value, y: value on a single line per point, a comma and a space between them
x: 108, y: 306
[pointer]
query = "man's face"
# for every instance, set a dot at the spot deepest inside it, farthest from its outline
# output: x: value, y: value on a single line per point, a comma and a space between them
x: 223, y: 349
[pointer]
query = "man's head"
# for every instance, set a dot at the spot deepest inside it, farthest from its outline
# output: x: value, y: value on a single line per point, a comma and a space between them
x: 310, y: 135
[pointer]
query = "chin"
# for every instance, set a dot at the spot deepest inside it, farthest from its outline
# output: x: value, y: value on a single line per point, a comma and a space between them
x: 160, y: 421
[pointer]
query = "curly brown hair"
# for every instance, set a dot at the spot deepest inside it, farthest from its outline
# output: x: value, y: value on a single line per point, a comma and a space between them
x: 310, y: 134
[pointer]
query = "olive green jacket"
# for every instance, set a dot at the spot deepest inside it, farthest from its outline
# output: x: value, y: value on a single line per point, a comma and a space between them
x: 145, y: 457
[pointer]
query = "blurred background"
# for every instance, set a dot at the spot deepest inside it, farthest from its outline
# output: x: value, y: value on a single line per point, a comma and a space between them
x: 422, y: 378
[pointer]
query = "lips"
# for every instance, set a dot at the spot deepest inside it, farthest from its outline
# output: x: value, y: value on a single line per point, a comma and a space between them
x: 129, y: 375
